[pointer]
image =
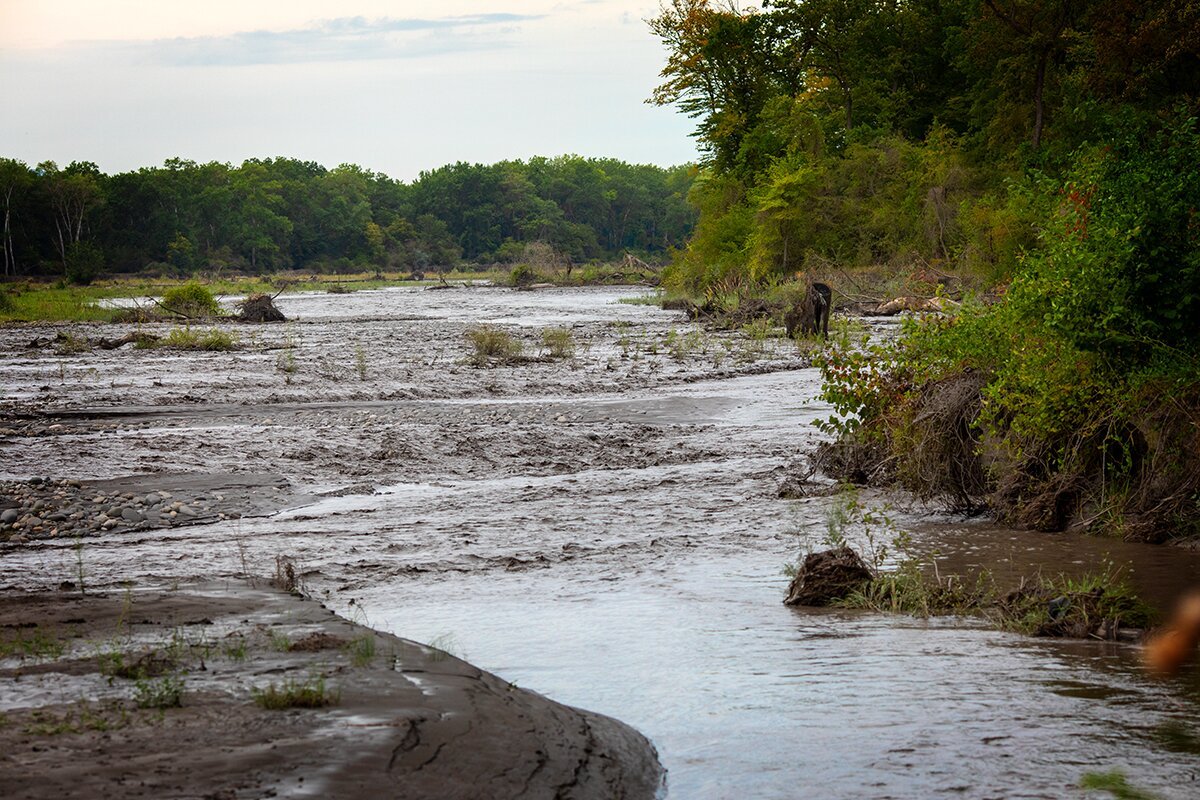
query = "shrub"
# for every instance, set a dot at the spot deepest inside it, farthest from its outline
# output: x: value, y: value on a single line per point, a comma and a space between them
x: 191, y: 300
x: 84, y: 262
x: 559, y: 342
x: 491, y: 343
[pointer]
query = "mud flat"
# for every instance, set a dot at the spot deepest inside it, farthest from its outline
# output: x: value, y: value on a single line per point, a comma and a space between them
x: 161, y: 693
x: 605, y: 529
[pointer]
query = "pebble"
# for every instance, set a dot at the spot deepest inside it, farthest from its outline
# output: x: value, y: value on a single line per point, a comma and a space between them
x: 187, y: 511
x: 9, y: 516
x: 132, y: 515
x: 152, y: 499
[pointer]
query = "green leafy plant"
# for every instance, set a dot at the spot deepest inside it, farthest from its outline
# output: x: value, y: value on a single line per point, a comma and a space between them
x: 190, y: 300
x: 165, y: 691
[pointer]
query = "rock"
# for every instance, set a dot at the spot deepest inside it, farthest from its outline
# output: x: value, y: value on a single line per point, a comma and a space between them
x: 827, y: 576
x: 132, y: 515
x: 152, y: 499
x: 9, y: 516
x: 32, y: 522
x: 187, y: 511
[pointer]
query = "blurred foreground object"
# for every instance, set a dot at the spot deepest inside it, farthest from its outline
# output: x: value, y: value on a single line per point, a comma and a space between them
x: 1168, y: 651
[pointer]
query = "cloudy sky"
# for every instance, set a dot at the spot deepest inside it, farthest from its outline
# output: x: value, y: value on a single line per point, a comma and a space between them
x: 397, y: 86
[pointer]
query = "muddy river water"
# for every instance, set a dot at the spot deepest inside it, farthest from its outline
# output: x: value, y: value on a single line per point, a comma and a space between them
x: 605, y: 530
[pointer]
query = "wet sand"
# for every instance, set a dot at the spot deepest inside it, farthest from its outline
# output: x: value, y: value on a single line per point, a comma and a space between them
x: 403, y: 720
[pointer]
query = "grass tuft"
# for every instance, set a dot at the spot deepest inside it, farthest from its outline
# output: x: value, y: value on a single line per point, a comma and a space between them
x: 311, y: 693
x: 490, y: 344
x: 213, y: 340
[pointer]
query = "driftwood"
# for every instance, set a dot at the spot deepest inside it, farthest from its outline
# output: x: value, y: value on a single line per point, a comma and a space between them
x: 893, y: 307
x: 129, y: 338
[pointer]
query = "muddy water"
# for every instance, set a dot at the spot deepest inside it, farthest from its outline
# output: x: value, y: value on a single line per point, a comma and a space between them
x: 605, y: 531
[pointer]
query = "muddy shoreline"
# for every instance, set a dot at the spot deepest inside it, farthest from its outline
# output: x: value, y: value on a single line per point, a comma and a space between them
x: 606, y: 530
x: 84, y: 713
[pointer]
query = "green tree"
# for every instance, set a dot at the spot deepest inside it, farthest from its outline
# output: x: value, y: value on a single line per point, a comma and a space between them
x: 15, y: 182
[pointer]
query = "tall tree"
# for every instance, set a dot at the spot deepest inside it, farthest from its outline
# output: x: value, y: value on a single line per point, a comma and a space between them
x: 15, y: 180
x: 73, y: 193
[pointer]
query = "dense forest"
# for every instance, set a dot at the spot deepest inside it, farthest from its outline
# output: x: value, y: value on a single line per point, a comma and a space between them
x: 283, y: 213
x: 1047, y: 153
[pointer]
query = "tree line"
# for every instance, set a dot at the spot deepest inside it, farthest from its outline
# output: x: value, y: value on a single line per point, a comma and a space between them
x: 269, y: 214
x: 850, y: 132
x: 1045, y: 150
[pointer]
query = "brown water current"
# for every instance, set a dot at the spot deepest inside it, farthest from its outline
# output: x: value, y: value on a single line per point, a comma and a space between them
x: 605, y: 530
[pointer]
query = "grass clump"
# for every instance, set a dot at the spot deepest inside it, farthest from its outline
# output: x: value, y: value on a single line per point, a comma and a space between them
x: 361, y: 650
x: 1096, y: 605
x: 212, y: 340
x: 190, y: 300
x: 84, y: 717
x: 558, y: 342
x: 291, y: 693
x: 1116, y: 784
x: 163, y: 692
x: 490, y: 344
x: 38, y: 646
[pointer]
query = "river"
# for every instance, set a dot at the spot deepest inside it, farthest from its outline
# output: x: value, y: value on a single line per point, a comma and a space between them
x: 607, y: 531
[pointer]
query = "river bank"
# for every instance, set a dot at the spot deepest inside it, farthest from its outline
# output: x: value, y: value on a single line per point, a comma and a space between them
x: 605, y: 529
x: 236, y: 690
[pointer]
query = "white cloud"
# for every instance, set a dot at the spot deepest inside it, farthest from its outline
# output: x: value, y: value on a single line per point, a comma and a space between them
x: 398, y: 93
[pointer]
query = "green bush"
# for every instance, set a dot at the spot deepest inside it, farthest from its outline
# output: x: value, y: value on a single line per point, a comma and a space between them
x: 191, y: 300
x: 84, y: 263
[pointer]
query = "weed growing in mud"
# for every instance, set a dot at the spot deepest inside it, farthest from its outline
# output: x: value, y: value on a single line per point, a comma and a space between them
x: 361, y: 650
x: 909, y: 591
x: 162, y: 692
x: 558, y: 342
x: 235, y: 650
x: 444, y: 646
x: 70, y: 344
x: 873, y: 526
x: 1116, y: 784
x: 681, y: 345
x: 212, y: 340
x: 84, y: 717
x: 280, y: 642
x: 286, y: 362
x: 360, y: 361
x: 80, y: 572
x: 492, y: 344
x: 655, y: 299
x: 37, y: 647
x: 291, y: 693
x: 1091, y: 604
